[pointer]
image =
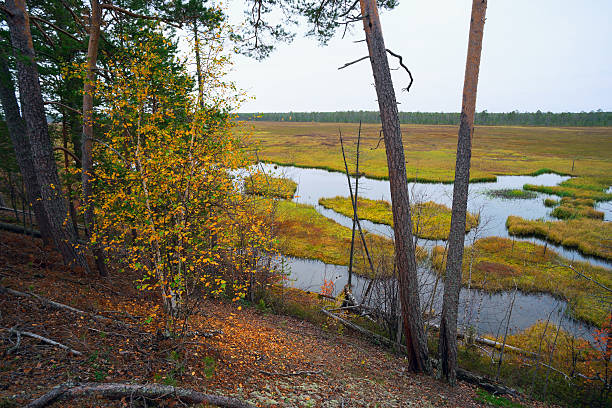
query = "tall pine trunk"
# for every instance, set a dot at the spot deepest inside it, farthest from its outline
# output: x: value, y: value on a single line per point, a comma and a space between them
x: 33, y: 109
x: 87, y: 136
x: 405, y: 257
x: 447, y: 347
x: 21, y: 144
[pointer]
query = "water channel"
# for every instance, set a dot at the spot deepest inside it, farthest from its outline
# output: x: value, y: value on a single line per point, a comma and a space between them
x: 487, y: 312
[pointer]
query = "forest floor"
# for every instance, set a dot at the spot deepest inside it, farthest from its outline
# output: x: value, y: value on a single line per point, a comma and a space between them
x: 267, y: 359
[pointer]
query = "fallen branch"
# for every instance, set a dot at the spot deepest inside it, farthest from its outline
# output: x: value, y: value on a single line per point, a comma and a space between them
x: 45, y: 340
x: 147, y: 391
x: 57, y: 305
x: 304, y: 372
x: 361, y: 330
x: 485, y: 383
x: 19, y: 229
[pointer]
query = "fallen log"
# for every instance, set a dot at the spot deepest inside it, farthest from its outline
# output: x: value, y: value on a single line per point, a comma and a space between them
x: 20, y: 333
x: 462, y: 374
x: 492, y: 343
x: 485, y: 383
x: 147, y: 391
x: 19, y: 229
x: 361, y: 330
x: 57, y: 305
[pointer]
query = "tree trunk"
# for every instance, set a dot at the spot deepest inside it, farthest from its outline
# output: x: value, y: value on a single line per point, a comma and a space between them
x: 447, y: 347
x: 416, y: 341
x: 53, y: 200
x: 71, y: 208
x: 18, y: 133
x: 198, y: 65
x: 87, y: 137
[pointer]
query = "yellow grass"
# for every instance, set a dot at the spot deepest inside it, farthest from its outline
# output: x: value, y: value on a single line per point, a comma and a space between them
x: 589, y: 236
x: 498, y: 264
x: 429, y: 220
x: 267, y: 186
x: 304, y: 233
x: 430, y: 149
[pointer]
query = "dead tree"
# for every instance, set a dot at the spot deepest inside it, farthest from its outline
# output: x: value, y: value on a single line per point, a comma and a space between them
x: 447, y: 347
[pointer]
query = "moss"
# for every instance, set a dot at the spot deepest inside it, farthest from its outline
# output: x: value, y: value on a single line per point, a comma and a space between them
x: 589, y: 236
x: 498, y: 264
x: 305, y: 233
x: 429, y: 220
x: 267, y: 186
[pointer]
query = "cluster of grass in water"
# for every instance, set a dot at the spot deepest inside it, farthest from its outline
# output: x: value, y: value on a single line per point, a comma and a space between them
x: 589, y: 236
x: 571, y: 208
x: 512, y: 194
x: 593, y: 188
x: 498, y: 264
x: 429, y: 220
x: 268, y: 186
x: 304, y: 233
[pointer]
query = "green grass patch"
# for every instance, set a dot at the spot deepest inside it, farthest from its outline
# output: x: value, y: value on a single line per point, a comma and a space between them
x: 589, y: 236
x: 305, y: 233
x: 510, y: 194
x: 498, y: 264
x: 549, y: 202
x: 430, y: 149
x: 566, y: 212
x: 429, y: 220
x: 571, y: 208
x: 495, y: 401
x: 593, y: 188
x: 267, y: 186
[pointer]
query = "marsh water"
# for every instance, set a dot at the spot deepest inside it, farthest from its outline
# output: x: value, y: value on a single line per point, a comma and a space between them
x: 488, y: 312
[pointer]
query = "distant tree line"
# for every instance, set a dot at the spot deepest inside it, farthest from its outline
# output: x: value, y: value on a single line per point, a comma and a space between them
x: 593, y: 118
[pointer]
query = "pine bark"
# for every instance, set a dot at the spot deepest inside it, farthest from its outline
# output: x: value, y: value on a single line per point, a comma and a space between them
x: 447, y: 347
x: 87, y: 137
x: 416, y: 342
x: 21, y: 144
x: 44, y: 165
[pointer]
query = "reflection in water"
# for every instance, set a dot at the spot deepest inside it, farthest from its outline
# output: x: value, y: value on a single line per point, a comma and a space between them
x: 486, y: 312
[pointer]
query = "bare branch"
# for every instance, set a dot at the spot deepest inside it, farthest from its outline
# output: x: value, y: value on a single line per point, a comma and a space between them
x: 6, y: 10
x: 68, y: 152
x: 61, y: 30
x: 63, y: 106
x: 351, y: 8
x: 354, y: 62
x: 47, y: 38
x: 584, y: 276
x: 45, y: 340
x: 399, y: 57
x: 136, y: 15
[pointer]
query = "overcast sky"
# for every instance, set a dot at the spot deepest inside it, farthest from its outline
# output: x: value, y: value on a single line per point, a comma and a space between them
x: 552, y: 55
